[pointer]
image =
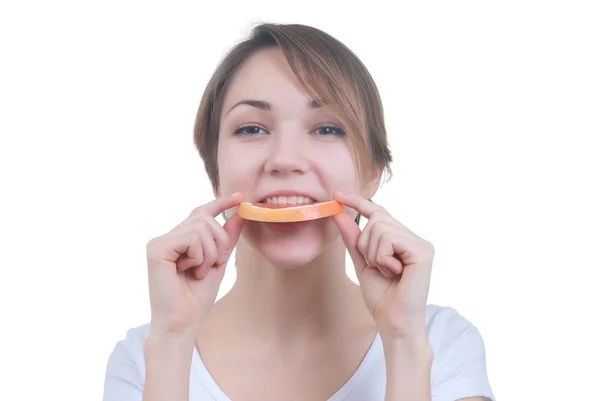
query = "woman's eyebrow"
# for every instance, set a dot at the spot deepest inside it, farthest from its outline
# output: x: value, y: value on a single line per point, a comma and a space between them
x: 266, y: 106
x: 259, y: 104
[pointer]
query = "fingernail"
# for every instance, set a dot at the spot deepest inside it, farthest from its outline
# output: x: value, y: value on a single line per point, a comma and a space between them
x: 223, y: 257
x: 235, y: 193
x: 203, y: 272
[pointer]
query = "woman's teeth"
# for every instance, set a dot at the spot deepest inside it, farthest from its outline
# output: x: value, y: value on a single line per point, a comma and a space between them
x: 288, y: 200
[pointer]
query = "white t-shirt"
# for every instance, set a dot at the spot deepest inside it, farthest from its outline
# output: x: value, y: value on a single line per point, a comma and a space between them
x: 458, y: 370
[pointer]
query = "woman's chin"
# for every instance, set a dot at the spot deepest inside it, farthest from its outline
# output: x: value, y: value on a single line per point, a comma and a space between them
x: 292, y: 245
x: 289, y: 258
x: 286, y: 253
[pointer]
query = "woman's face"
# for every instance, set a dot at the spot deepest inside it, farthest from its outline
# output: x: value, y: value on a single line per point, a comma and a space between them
x: 277, y: 145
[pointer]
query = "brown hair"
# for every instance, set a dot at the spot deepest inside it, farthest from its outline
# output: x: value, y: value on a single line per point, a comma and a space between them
x: 332, y: 75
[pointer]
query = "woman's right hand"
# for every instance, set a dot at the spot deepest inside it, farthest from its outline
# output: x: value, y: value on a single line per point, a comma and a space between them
x: 186, y: 267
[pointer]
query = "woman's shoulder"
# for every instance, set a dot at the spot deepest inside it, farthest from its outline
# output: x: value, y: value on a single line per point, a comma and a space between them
x: 447, y: 329
x: 125, y: 369
x: 459, y: 354
x: 134, y: 337
x: 446, y: 319
x: 129, y: 348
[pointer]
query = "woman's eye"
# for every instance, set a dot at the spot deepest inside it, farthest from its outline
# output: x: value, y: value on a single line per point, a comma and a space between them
x: 329, y: 130
x: 249, y: 130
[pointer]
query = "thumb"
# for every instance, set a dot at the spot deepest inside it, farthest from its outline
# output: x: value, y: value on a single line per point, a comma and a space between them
x: 233, y: 227
x: 350, y: 233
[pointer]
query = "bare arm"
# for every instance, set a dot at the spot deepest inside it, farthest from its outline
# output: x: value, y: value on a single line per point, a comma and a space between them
x: 185, y: 269
x: 408, y: 369
x: 168, y: 360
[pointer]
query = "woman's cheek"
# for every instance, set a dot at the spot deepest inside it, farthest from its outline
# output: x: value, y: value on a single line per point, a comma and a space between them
x: 239, y: 171
x: 337, y: 168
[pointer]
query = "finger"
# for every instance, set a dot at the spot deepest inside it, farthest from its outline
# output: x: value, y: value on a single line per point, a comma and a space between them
x: 193, y: 257
x: 381, y: 249
x: 219, y: 205
x: 384, y: 271
x: 220, y: 236
x: 372, y: 246
x: 173, y: 247
x: 233, y: 227
x: 209, y: 249
x: 390, y: 263
x: 202, y: 230
x: 364, y: 242
x: 350, y: 233
x: 358, y: 203
x: 184, y: 250
x: 230, y: 234
x: 201, y: 223
x: 387, y: 273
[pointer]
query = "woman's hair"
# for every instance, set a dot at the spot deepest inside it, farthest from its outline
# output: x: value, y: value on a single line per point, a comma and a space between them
x: 330, y: 73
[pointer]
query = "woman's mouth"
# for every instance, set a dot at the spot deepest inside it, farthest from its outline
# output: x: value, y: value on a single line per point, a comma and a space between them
x: 286, y: 228
x: 284, y: 201
x: 276, y: 202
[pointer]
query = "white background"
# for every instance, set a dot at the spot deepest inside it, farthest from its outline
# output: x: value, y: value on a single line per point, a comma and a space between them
x: 493, y: 111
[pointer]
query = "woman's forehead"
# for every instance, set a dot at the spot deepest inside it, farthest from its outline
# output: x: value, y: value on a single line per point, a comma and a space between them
x: 267, y: 77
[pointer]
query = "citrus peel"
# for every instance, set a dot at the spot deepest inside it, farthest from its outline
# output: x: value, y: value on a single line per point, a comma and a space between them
x: 273, y: 213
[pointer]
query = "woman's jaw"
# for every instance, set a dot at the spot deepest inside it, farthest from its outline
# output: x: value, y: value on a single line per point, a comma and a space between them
x: 288, y: 246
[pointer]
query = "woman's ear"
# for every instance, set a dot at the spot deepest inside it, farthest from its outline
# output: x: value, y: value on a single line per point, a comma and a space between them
x: 374, y: 182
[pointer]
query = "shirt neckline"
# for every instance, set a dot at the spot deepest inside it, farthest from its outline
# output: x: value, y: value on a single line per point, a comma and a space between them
x: 219, y: 395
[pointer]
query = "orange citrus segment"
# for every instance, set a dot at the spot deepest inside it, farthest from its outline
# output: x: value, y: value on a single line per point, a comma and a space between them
x: 272, y: 213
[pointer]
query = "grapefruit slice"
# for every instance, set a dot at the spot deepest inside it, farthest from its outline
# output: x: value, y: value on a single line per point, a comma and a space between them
x: 273, y: 213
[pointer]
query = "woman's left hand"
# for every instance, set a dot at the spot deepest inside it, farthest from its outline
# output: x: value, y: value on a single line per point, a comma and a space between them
x: 393, y: 266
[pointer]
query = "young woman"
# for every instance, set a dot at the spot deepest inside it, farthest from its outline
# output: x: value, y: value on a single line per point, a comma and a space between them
x: 291, y: 116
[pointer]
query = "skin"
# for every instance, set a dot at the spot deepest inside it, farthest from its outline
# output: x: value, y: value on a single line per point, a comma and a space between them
x: 293, y: 318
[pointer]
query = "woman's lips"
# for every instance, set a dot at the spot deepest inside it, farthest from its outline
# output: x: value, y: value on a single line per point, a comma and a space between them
x: 286, y: 228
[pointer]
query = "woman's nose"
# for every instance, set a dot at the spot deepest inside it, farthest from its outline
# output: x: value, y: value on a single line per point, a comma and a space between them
x: 287, y: 155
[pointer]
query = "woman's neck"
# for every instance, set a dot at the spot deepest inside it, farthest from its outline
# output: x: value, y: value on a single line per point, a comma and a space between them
x: 301, y: 304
